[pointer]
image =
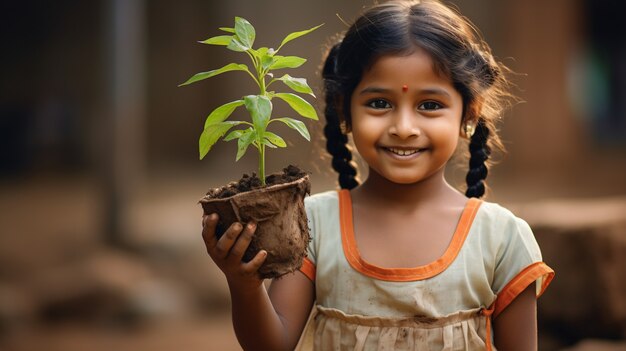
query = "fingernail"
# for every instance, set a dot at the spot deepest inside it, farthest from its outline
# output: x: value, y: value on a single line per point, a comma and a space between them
x: 213, y: 216
x: 251, y: 226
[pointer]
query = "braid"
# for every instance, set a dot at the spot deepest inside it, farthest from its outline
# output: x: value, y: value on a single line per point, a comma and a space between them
x: 479, y: 154
x: 336, y: 141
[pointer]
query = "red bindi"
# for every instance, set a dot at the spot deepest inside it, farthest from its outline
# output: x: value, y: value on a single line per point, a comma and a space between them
x: 405, y: 88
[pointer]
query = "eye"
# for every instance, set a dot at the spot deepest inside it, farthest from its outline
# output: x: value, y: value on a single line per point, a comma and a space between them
x: 378, y: 104
x: 430, y: 106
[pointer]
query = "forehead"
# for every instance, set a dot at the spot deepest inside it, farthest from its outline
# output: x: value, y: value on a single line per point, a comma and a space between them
x: 414, y: 68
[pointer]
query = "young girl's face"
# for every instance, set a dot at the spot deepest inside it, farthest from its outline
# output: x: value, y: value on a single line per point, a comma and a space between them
x: 406, y: 118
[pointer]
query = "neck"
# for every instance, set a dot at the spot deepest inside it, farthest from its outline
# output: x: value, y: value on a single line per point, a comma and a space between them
x: 432, y: 190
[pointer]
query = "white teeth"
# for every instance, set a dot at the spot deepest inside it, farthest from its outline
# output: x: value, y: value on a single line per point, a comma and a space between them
x: 403, y: 152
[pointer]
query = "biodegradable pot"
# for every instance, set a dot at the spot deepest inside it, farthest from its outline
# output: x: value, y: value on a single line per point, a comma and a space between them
x: 282, y: 228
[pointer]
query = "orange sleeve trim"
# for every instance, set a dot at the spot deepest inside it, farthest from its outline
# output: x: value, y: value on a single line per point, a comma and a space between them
x: 355, y: 260
x: 308, y: 268
x: 521, y: 281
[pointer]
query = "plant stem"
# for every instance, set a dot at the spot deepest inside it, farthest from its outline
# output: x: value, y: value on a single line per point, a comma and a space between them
x: 260, y: 80
x: 262, y: 163
x: 262, y: 85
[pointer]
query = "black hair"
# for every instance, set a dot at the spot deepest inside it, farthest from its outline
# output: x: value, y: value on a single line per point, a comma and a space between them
x: 458, y: 52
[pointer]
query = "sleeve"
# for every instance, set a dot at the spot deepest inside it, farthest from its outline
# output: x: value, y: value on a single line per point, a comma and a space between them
x: 308, y: 264
x: 518, y: 264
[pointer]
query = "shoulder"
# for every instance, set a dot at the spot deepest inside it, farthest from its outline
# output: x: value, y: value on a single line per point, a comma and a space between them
x: 498, y: 217
x: 506, y: 230
x: 319, y: 201
x: 321, y: 209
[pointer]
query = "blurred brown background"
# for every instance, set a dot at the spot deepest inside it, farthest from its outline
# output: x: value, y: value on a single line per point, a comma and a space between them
x: 100, y: 244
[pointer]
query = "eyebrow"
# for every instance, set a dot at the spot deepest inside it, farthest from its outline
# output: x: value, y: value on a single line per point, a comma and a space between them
x: 427, y: 91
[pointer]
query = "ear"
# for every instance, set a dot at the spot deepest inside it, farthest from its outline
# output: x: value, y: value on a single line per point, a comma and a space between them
x: 470, y: 119
x: 345, y: 122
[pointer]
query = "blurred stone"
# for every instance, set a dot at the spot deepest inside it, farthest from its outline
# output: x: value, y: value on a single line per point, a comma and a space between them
x: 584, y: 241
x: 16, y: 308
x: 202, y: 276
x: 106, y: 286
x: 160, y: 299
x: 549, y: 342
x: 192, y: 268
x: 598, y: 345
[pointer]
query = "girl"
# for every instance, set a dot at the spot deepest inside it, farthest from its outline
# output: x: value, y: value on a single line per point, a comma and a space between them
x: 402, y: 261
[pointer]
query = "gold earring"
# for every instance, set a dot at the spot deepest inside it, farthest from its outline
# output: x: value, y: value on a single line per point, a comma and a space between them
x: 468, y: 129
x: 343, y: 127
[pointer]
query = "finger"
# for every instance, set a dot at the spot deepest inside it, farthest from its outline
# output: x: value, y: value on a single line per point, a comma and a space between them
x: 242, y: 243
x: 227, y: 240
x: 209, y: 223
x: 254, y: 264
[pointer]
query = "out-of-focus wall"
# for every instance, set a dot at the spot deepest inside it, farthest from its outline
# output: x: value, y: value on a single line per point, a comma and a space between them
x: 54, y: 88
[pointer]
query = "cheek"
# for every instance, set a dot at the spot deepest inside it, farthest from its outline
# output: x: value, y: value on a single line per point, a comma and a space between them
x: 445, y: 127
x: 445, y: 132
x: 365, y: 128
x: 362, y: 138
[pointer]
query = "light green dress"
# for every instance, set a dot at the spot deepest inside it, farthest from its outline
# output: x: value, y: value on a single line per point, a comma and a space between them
x: 444, y: 305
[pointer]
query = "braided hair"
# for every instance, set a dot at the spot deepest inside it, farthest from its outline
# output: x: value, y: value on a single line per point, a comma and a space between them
x: 398, y: 27
x: 336, y: 139
x: 479, y: 154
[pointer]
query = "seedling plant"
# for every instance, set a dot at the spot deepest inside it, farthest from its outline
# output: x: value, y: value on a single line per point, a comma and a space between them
x: 265, y: 60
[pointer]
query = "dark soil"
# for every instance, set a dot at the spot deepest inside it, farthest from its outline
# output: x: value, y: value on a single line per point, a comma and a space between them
x: 250, y: 182
x: 277, y: 209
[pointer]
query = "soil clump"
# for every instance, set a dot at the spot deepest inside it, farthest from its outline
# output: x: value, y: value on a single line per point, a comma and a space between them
x: 277, y: 209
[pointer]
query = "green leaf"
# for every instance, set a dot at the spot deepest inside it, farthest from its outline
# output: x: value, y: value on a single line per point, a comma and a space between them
x: 245, y: 32
x: 287, y: 62
x: 228, y: 30
x: 235, y: 134
x: 211, y: 135
x: 259, y: 53
x: 268, y: 143
x: 260, y: 108
x: 297, y: 84
x: 209, y: 74
x: 221, y: 113
x: 244, y: 141
x: 275, y: 139
x: 265, y: 56
x: 297, y: 125
x: 236, y: 45
x: 219, y: 40
x: 298, y: 104
x: 267, y: 61
x: 295, y: 35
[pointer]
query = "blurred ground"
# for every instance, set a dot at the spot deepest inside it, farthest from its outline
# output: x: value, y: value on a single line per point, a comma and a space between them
x: 62, y: 289
x: 192, y: 334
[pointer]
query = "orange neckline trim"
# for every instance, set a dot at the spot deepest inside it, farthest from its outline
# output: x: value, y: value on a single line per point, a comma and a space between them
x: 353, y: 256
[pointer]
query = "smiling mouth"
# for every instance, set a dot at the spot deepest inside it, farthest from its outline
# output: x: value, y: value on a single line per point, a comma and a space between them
x: 402, y: 152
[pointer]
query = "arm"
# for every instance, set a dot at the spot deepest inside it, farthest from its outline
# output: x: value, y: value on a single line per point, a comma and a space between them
x: 516, y: 327
x: 261, y: 321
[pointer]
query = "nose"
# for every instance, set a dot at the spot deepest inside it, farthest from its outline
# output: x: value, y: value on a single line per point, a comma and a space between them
x: 404, y: 124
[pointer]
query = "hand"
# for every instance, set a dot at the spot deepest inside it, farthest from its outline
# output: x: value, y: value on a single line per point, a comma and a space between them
x: 228, y: 251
